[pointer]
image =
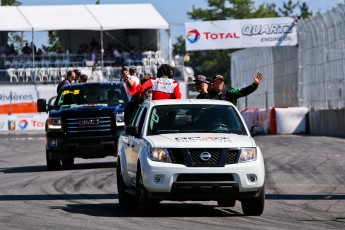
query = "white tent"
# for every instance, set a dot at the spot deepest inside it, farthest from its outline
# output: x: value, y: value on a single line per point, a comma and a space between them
x: 73, y: 17
x: 11, y: 19
x: 82, y: 17
x: 128, y: 16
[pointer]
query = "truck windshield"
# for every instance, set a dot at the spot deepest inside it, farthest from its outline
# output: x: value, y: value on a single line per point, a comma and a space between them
x: 195, y: 119
x: 110, y: 95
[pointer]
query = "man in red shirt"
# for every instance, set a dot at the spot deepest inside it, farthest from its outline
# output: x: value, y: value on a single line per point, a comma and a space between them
x: 163, y: 87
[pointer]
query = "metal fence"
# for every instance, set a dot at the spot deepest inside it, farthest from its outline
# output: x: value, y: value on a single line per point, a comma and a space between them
x: 311, y: 74
x: 54, y: 74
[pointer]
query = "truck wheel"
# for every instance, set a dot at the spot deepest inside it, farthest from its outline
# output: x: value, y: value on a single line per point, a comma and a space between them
x: 226, y: 203
x: 254, y: 206
x: 143, y: 201
x: 124, y: 198
x: 52, y: 164
x: 68, y: 163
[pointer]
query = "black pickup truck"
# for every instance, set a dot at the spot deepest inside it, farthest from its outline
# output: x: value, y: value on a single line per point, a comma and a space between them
x: 84, y: 122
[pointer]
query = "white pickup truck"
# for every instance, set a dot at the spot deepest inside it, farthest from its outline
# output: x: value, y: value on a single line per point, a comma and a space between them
x: 190, y: 150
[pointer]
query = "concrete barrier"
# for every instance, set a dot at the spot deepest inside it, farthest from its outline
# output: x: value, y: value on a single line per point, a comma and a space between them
x: 327, y: 122
x: 289, y: 120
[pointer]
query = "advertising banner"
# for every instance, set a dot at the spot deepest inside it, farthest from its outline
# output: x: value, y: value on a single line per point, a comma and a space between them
x: 235, y: 34
x: 21, y: 122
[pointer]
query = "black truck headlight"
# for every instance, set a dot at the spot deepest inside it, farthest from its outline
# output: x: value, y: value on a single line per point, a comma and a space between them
x: 54, y: 123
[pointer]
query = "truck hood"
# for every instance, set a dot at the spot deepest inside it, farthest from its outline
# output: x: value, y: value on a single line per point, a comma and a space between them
x: 89, y: 109
x: 200, y: 140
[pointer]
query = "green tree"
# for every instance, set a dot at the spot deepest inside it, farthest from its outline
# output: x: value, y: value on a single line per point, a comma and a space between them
x: 10, y: 3
x: 288, y: 8
x: 54, y: 43
x: 305, y: 13
x: 16, y: 39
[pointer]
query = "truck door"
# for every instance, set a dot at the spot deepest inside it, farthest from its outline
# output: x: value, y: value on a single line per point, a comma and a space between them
x: 134, y: 144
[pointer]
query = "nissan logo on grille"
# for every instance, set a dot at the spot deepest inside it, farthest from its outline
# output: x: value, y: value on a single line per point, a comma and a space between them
x: 205, y: 156
x: 89, y: 122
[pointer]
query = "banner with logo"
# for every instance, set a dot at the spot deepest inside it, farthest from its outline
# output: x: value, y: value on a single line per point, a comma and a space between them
x: 23, y: 122
x: 22, y: 98
x: 234, y: 34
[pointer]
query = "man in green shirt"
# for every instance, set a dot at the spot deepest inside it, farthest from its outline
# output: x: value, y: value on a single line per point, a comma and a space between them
x: 218, y: 91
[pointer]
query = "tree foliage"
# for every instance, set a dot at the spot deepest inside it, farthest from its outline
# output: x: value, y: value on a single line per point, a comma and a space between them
x: 54, y: 43
x: 213, y: 62
x: 10, y: 3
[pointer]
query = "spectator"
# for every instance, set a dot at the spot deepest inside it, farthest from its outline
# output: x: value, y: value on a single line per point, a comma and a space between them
x: 26, y: 50
x: 220, y: 93
x: 136, y: 100
x: 132, y: 81
x: 201, y: 84
x: 83, y: 78
x: 69, y: 79
x: 117, y: 57
x: 163, y: 87
x: 32, y: 45
x: 93, y: 44
x: 38, y: 55
x: 77, y: 76
x: 124, y: 74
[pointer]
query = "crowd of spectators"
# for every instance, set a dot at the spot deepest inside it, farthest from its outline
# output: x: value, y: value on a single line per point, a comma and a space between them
x: 114, y: 55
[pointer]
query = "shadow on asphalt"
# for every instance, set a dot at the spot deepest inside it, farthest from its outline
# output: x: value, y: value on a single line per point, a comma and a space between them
x: 164, y: 210
x: 43, y: 168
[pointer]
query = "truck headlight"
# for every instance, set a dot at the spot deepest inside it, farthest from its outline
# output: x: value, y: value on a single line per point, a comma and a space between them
x: 54, y: 123
x: 161, y: 155
x: 120, y: 119
x: 248, y: 154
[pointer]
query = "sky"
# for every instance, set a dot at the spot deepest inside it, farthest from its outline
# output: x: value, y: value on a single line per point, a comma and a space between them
x: 174, y: 11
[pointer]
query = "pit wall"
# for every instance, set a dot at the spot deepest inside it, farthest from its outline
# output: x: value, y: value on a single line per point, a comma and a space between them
x: 327, y: 122
x: 291, y: 120
x: 297, y: 120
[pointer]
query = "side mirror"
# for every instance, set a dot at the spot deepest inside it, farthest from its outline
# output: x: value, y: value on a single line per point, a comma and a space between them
x: 256, y: 130
x: 131, y: 130
x: 41, y: 105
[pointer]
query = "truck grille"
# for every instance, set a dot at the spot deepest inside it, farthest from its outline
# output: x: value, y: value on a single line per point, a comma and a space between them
x: 88, y: 125
x: 204, y: 157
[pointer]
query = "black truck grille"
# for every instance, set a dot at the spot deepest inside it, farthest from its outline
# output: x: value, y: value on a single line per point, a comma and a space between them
x: 88, y: 125
x: 204, y: 157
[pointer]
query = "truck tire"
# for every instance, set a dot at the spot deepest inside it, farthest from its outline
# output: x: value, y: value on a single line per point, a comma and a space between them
x: 254, y: 206
x: 124, y: 198
x: 67, y: 163
x: 52, y: 165
x: 143, y: 201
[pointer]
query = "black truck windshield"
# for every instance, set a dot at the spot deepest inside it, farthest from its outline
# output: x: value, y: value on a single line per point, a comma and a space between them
x: 107, y: 95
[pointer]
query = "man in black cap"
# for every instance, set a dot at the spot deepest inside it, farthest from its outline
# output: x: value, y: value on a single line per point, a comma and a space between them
x: 201, y: 84
x: 220, y: 93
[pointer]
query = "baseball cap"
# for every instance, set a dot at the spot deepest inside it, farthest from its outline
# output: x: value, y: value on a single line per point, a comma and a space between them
x: 201, y: 78
x: 218, y: 77
x: 124, y: 68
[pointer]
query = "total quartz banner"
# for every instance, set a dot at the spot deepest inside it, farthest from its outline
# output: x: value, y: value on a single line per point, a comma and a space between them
x: 244, y: 33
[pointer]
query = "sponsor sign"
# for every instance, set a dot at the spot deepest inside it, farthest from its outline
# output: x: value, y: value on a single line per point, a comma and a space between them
x: 234, y: 34
x: 23, y: 122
